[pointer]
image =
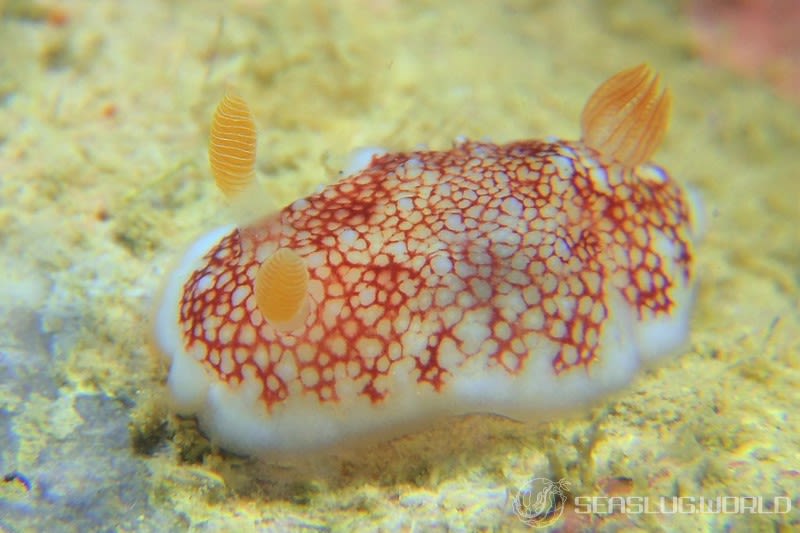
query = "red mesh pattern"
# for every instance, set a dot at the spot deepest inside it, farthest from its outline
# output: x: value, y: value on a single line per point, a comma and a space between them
x: 429, y: 260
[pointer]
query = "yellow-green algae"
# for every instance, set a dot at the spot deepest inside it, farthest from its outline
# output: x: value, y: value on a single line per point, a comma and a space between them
x: 103, y: 179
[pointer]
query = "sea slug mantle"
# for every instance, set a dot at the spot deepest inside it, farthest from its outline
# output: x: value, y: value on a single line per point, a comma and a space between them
x: 525, y: 279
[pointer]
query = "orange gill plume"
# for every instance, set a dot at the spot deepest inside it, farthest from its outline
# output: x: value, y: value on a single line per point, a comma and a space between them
x: 626, y: 118
x: 232, y: 146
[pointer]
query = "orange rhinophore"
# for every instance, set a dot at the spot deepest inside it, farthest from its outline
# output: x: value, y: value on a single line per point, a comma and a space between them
x: 627, y: 116
x: 281, y: 286
x: 232, y: 147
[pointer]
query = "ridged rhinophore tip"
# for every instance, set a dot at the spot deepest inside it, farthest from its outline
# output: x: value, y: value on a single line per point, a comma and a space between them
x: 232, y: 146
x: 281, y: 289
x: 627, y: 116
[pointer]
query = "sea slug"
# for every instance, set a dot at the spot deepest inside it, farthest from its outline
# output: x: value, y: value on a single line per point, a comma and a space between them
x: 524, y: 279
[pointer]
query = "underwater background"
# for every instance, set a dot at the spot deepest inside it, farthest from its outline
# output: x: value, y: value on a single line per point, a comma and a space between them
x: 104, y: 114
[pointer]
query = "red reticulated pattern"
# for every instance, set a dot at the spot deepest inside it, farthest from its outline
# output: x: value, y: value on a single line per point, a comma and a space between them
x: 427, y: 260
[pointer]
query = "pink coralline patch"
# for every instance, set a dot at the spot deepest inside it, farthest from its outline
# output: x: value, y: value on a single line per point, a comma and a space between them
x: 758, y: 38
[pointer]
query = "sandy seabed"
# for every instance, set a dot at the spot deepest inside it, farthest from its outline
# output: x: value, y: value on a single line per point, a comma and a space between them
x: 104, y: 110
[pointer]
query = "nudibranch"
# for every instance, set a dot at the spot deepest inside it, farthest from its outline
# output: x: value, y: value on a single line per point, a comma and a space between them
x: 525, y: 279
